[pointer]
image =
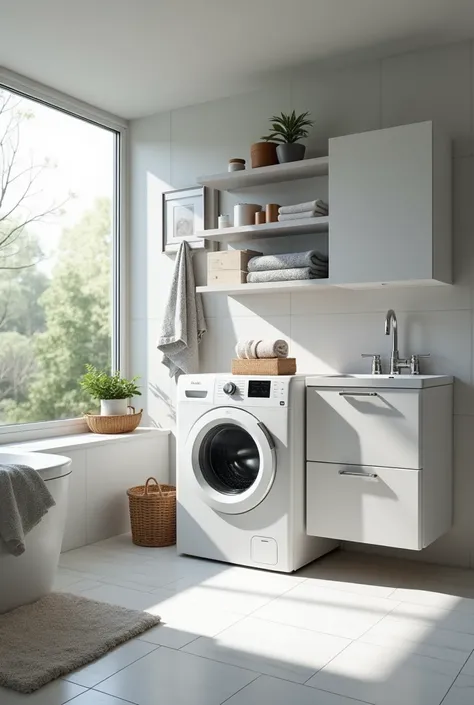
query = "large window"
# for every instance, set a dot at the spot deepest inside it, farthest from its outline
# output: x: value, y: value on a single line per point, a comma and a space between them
x: 57, y: 233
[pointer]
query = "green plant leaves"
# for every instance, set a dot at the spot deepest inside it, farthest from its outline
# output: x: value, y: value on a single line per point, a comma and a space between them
x: 101, y: 385
x: 287, y: 129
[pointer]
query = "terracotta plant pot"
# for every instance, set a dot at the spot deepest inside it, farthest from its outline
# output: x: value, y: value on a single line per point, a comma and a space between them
x: 290, y: 152
x: 263, y: 154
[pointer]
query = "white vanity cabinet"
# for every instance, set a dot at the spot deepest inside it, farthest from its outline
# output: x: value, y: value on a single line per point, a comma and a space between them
x: 390, y: 207
x: 379, y: 462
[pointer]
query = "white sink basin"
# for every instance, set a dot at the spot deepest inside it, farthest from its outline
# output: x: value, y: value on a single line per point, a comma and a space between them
x: 394, y: 381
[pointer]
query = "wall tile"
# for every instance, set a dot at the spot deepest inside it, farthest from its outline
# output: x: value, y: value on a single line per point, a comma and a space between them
x: 463, y: 221
x: 433, y: 85
x: 75, y: 530
x: 150, y: 176
x: 107, y: 511
x: 341, y: 102
x: 427, y: 298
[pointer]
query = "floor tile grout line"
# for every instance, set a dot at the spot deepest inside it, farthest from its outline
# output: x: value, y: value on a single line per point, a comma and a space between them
x: 454, y: 681
x: 91, y: 687
x: 240, y: 689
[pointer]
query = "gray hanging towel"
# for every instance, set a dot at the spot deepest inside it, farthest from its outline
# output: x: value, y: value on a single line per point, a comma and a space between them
x: 24, y: 500
x: 183, y: 323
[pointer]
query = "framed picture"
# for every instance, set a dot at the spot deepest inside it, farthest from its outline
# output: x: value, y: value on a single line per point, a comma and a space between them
x: 186, y: 212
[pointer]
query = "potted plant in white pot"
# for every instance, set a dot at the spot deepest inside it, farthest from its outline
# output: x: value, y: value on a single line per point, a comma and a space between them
x: 113, y: 391
x: 287, y: 130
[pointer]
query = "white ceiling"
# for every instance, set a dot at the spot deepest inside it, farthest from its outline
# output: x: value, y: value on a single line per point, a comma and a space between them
x: 137, y: 57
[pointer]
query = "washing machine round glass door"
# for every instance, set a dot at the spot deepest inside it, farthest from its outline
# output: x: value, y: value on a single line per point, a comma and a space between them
x: 233, y: 459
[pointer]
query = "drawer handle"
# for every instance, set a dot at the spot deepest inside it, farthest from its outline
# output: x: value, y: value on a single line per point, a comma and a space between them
x: 354, y: 473
x: 358, y: 394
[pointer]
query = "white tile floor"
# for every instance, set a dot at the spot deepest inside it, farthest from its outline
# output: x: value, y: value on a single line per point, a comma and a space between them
x: 347, y: 629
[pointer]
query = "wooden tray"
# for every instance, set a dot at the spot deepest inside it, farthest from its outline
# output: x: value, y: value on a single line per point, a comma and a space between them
x: 265, y: 366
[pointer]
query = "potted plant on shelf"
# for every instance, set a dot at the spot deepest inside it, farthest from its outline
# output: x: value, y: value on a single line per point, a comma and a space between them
x: 287, y: 130
x: 113, y: 391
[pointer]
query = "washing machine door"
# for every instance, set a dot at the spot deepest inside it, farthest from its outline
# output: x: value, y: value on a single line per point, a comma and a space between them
x: 233, y: 459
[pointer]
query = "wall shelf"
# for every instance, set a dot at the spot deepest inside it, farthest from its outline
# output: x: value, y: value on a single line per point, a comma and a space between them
x: 231, y: 181
x: 302, y: 226
x: 302, y: 286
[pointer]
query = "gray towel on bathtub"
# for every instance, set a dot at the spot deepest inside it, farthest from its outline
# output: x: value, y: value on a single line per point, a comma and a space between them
x: 312, y: 258
x: 24, y: 500
x: 283, y: 275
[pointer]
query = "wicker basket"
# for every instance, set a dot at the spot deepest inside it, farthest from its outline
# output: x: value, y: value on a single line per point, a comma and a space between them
x: 153, y: 514
x: 113, y: 424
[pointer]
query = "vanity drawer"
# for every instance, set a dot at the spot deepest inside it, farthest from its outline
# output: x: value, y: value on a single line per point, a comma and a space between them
x: 373, y: 505
x: 364, y: 426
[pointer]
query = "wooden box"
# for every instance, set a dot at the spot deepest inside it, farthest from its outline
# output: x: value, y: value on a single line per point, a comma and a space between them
x: 226, y: 276
x: 264, y: 366
x: 230, y: 259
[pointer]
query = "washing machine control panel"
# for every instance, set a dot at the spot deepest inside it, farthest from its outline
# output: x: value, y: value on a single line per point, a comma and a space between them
x: 254, y: 391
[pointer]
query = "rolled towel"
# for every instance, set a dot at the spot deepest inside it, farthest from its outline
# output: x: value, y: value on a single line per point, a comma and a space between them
x: 291, y: 260
x: 261, y: 349
x: 302, y: 207
x: 288, y: 217
x: 283, y: 275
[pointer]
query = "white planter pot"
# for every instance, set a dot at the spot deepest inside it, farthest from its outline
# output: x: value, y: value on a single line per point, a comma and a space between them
x: 113, y: 407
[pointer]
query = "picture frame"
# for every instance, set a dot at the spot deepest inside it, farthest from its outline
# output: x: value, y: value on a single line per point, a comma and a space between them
x: 187, y: 211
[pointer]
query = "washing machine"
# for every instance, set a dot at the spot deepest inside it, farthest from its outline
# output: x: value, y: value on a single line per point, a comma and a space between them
x: 241, y: 471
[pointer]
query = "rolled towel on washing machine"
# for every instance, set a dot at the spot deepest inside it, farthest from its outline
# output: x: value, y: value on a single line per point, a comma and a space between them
x: 254, y: 349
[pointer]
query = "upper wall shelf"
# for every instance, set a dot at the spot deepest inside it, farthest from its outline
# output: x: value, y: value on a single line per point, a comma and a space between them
x: 231, y: 181
x: 302, y: 226
x: 302, y: 286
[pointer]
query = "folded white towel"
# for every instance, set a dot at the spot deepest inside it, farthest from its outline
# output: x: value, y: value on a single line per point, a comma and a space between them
x: 24, y: 500
x: 288, y: 217
x: 302, y: 207
x: 254, y: 349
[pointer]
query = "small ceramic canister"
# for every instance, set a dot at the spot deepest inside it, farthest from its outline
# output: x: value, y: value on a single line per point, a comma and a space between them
x: 271, y: 211
x: 244, y: 213
x: 260, y: 218
x: 223, y: 221
x: 236, y: 165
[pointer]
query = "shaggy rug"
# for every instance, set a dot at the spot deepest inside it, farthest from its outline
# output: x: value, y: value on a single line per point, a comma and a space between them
x: 60, y: 633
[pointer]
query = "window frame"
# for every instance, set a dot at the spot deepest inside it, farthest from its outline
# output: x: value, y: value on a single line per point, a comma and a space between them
x: 27, y: 88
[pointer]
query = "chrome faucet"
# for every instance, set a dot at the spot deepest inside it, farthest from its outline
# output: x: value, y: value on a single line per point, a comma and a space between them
x: 396, y: 362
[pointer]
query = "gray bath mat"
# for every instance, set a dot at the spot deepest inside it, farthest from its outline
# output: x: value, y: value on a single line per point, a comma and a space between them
x: 59, y: 633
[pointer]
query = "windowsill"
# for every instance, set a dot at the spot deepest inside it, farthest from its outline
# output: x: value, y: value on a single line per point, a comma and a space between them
x: 84, y: 440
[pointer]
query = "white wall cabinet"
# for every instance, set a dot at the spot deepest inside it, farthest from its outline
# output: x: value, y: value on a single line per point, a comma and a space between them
x: 379, y: 467
x: 390, y: 207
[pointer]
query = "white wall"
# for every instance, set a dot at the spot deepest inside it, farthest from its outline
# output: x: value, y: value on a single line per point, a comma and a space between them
x: 327, y: 330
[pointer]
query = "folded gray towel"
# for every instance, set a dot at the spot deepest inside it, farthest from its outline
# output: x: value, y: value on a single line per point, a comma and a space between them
x: 291, y: 260
x: 183, y: 323
x: 288, y: 217
x: 24, y: 500
x: 283, y: 275
x: 253, y: 349
x: 318, y: 203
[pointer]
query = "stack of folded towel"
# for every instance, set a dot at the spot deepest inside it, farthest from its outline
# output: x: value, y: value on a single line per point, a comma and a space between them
x: 288, y: 267
x: 309, y: 209
x: 259, y: 349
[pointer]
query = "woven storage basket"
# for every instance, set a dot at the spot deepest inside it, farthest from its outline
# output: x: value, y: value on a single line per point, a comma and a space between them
x: 153, y: 514
x: 113, y: 424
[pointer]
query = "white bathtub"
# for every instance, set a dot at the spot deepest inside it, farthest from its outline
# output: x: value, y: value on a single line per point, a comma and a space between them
x: 30, y: 576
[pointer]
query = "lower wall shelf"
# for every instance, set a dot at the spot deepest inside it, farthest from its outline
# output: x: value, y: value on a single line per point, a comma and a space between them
x: 267, y: 287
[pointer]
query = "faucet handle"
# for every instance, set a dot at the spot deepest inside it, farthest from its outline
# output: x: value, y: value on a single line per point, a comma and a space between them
x: 376, y: 362
x: 415, y: 363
